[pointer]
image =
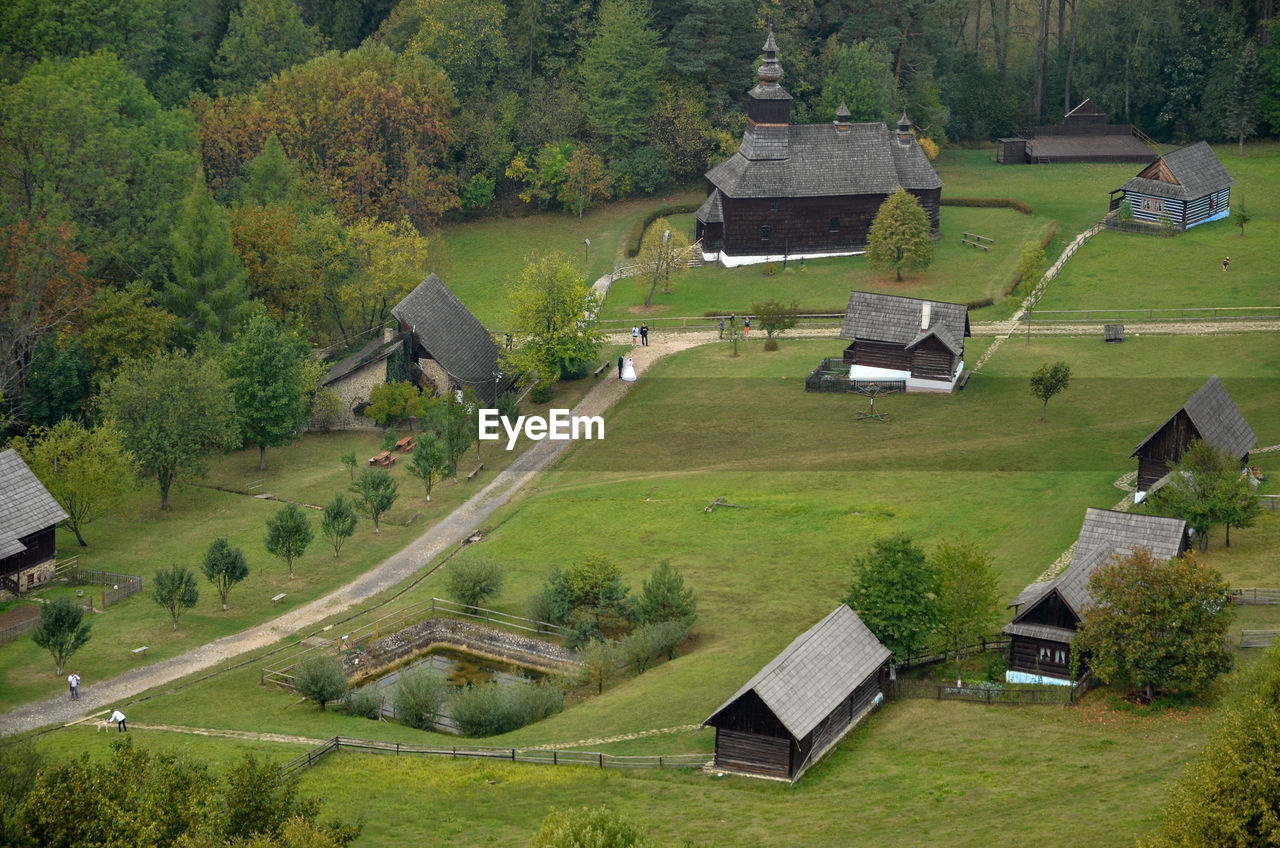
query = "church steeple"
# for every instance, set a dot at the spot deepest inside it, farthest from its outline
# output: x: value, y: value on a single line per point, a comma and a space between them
x: 768, y: 110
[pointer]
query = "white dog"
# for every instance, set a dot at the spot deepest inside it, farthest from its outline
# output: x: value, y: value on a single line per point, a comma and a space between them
x: 105, y: 724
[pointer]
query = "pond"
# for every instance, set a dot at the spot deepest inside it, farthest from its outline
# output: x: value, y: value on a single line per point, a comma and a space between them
x: 459, y: 669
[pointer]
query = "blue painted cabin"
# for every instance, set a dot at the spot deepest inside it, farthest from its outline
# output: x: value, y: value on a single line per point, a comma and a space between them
x: 1186, y: 188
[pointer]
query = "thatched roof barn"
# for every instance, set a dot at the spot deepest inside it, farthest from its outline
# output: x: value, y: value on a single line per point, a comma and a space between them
x: 1209, y: 414
x: 803, y: 702
x: 1041, y: 633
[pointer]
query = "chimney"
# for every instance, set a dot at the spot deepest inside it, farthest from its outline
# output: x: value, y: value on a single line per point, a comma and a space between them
x: 925, y: 314
x: 387, y: 333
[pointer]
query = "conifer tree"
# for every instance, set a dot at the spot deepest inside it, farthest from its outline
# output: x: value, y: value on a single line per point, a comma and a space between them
x: 900, y: 238
x: 621, y: 65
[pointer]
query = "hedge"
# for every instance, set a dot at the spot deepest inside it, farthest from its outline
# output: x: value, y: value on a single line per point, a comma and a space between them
x: 1044, y: 244
x: 637, y: 229
x: 989, y: 203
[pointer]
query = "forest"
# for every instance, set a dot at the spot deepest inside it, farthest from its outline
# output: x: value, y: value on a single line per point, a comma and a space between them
x: 171, y: 169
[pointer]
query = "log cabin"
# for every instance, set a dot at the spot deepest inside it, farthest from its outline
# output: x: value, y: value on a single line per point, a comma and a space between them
x: 1210, y: 415
x: 919, y: 343
x: 1041, y: 633
x: 1184, y: 189
x: 450, y: 348
x: 803, y: 702
x: 29, y: 516
x: 797, y: 190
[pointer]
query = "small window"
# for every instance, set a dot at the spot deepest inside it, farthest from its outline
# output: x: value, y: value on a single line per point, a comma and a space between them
x: 773, y: 206
x: 1146, y: 203
x: 1159, y: 205
x: 834, y: 226
x: 764, y: 234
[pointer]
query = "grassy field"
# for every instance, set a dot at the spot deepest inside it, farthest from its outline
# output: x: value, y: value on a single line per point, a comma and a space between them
x: 1129, y: 270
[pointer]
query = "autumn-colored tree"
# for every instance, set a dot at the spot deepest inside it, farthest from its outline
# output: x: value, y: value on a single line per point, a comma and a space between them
x: 664, y: 252
x: 679, y: 129
x: 391, y: 404
x: 387, y: 261
x: 1156, y: 624
x: 42, y: 287
x: 554, y: 317
x: 370, y: 128
x: 900, y: 238
x: 584, y: 181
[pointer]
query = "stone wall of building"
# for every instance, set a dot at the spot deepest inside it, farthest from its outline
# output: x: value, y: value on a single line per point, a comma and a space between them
x: 356, y: 388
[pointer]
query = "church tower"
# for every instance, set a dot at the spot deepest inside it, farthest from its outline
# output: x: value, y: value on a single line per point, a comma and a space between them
x: 769, y: 111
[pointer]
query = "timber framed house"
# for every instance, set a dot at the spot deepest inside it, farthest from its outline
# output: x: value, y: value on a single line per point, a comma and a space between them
x: 892, y: 339
x: 1184, y: 189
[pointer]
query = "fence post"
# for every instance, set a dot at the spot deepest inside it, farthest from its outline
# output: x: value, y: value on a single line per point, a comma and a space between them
x: 602, y: 761
x: 513, y: 755
x: 555, y: 758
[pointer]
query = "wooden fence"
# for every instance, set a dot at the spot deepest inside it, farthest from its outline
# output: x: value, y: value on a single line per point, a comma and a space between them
x: 120, y: 586
x: 808, y: 320
x: 984, y: 693
x: 1271, y: 502
x: 1157, y: 314
x: 832, y: 375
x: 1260, y: 597
x: 515, y: 755
x: 1258, y: 638
x: 997, y: 642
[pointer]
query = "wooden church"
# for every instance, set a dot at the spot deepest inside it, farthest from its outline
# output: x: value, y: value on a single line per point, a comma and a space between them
x: 795, y: 190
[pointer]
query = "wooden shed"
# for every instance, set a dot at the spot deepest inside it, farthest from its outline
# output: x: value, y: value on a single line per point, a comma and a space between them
x: 1041, y: 633
x: 451, y: 349
x: 904, y: 339
x: 1186, y: 188
x: 29, y: 516
x: 1083, y: 136
x: 803, y: 702
x: 795, y: 190
x: 1209, y: 414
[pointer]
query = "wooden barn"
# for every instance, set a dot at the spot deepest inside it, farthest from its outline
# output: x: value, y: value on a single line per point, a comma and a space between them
x: 1186, y: 188
x: 796, y: 190
x: 28, y: 517
x: 803, y: 702
x: 919, y: 343
x: 1041, y: 633
x: 1209, y: 414
x: 451, y: 349
x: 1083, y: 136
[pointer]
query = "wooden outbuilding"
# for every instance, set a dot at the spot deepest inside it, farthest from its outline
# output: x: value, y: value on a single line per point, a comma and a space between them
x: 1083, y: 136
x: 919, y: 343
x: 450, y: 348
x: 1210, y: 414
x: 803, y: 702
x: 29, y: 515
x: 1186, y: 188
x: 795, y: 190
x: 1043, y: 629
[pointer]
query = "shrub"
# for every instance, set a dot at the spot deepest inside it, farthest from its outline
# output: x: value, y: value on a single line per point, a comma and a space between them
x: 540, y: 394
x: 649, y: 642
x: 473, y: 581
x: 389, y: 439
x: 320, y: 678
x: 587, y: 828
x: 493, y: 709
x: 769, y: 269
x: 365, y: 702
x: 636, y: 236
x: 509, y: 406
x: 988, y: 203
x: 1125, y: 212
x: 418, y: 697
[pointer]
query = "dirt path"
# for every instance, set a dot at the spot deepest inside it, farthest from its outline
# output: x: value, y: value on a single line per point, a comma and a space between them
x: 448, y: 533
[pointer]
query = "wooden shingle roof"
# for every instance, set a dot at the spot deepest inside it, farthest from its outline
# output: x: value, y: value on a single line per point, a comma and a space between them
x: 1216, y: 418
x: 449, y: 332
x: 899, y: 320
x: 804, y: 683
x: 1105, y: 532
x: 26, y: 506
x: 1195, y: 169
x: 375, y: 351
x: 817, y: 160
x: 712, y: 209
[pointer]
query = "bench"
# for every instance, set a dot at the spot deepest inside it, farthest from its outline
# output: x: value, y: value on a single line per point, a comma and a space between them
x: 976, y: 237
x: 407, y: 440
x: 965, y: 241
x: 964, y: 378
x: 383, y: 459
x: 137, y: 652
x: 600, y: 369
x: 275, y: 599
x: 1258, y: 638
x: 409, y: 447
x: 474, y: 472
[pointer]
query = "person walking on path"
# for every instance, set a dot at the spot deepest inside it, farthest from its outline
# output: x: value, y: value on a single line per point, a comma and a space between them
x: 118, y: 718
x: 644, y: 335
x: 74, y: 680
x: 746, y: 326
x: 733, y: 320
x: 1226, y: 262
x: 619, y: 367
x: 635, y: 334
x: 721, y: 328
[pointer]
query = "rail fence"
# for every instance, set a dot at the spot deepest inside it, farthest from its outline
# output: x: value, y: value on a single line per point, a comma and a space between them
x: 1157, y: 314
x: 808, y: 320
x: 514, y: 755
x: 832, y: 375
x: 987, y: 693
x: 13, y: 632
x: 281, y: 673
x: 121, y: 585
x: 1258, y: 638
x: 997, y: 642
x: 1271, y: 502
x: 1260, y: 597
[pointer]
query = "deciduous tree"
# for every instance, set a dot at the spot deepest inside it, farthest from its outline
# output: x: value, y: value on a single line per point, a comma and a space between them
x: 320, y: 678
x: 464, y: 37
x: 584, y: 181
x: 775, y: 318
x: 57, y: 380
x: 174, y: 410
x: 474, y: 580
x: 1049, y: 380
x: 554, y: 319
x: 429, y: 461
x: 968, y: 596
x: 264, y: 367
x: 376, y: 491
x: 387, y: 261
x: 1156, y: 624
x: 125, y: 324
x: 894, y: 593
x: 225, y: 566
x: 1206, y: 488
x: 62, y: 630
x: 85, y: 469
x: 339, y: 522
x: 900, y: 237
x: 175, y: 590
x: 391, y: 404
x: 664, y: 251
x: 288, y: 534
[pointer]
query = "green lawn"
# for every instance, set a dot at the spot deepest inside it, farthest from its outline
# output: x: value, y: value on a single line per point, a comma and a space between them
x: 1133, y: 271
